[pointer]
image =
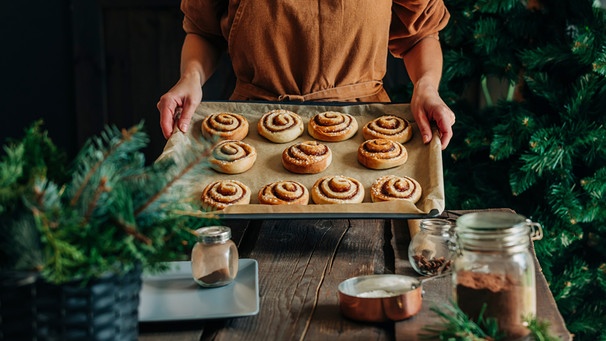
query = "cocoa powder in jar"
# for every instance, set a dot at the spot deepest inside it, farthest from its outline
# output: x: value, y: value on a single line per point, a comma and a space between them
x: 506, y: 300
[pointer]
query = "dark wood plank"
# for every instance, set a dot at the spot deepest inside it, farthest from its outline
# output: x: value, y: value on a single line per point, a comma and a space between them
x: 300, y: 266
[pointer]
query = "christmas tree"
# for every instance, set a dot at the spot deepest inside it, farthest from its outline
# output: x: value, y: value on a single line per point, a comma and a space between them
x: 527, y: 80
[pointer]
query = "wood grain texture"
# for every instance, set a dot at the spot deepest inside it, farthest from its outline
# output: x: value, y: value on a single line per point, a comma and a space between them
x: 301, y: 263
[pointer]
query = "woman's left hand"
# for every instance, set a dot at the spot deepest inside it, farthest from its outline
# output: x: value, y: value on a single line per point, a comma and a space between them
x: 427, y: 106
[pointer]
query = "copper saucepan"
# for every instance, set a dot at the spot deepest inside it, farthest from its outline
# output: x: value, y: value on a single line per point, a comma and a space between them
x: 380, y: 298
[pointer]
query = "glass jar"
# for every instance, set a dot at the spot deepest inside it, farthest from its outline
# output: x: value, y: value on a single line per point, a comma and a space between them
x: 432, y: 248
x: 214, y: 257
x: 494, y: 269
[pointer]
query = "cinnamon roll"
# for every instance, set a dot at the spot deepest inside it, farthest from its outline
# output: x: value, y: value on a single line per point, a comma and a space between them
x: 224, y: 126
x: 337, y: 190
x: 382, y: 154
x: 392, y: 187
x: 232, y: 157
x: 284, y: 193
x: 280, y: 126
x: 388, y: 127
x: 222, y: 193
x: 332, y: 126
x: 307, y: 157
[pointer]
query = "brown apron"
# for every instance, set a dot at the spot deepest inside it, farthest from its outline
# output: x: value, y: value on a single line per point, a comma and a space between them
x: 293, y: 50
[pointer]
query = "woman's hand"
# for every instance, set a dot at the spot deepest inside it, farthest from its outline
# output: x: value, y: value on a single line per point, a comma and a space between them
x: 177, y: 106
x: 198, y: 61
x: 427, y: 106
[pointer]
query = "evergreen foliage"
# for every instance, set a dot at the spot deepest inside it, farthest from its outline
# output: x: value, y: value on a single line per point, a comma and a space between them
x: 540, y: 146
x: 107, y: 212
x: 455, y: 325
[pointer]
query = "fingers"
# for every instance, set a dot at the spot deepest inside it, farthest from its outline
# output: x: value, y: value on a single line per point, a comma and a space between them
x: 445, y: 120
x: 167, y: 116
x: 443, y: 117
x: 445, y: 137
x: 424, y: 127
x: 186, y: 116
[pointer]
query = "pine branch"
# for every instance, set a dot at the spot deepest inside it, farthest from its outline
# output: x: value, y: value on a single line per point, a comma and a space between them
x: 127, y: 136
x: 500, y: 6
x: 200, y: 153
x: 132, y: 230
x: 458, y: 326
x: 164, y: 189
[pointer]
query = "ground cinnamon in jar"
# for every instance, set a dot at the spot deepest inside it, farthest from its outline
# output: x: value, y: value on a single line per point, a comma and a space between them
x: 494, y: 267
x: 214, y: 257
x: 506, y: 300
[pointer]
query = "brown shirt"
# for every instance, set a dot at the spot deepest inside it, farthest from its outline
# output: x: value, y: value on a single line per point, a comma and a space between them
x: 313, y: 50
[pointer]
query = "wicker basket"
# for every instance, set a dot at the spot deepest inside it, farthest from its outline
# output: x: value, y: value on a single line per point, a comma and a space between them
x: 102, y: 309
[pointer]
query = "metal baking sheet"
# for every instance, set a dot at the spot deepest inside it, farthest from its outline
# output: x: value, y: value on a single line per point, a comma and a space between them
x: 174, y: 296
x: 424, y: 163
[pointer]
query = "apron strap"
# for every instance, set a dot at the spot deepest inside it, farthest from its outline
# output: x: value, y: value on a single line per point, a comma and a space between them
x: 340, y: 93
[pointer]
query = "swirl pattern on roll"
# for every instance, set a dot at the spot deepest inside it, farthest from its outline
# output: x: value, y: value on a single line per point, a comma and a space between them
x: 392, y: 187
x: 285, y: 192
x: 308, y: 157
x: 382, y: 154
x: 232, y: 157
x: 280, y: 125
x: 224, y: 126
x: 222, y: 193
x: 388, y: 127
x: 337, y: 190
x: 332, y: 126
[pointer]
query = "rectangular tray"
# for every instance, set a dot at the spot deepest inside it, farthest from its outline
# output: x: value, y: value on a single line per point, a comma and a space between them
x: 174, y: 296
x: 424, y: 163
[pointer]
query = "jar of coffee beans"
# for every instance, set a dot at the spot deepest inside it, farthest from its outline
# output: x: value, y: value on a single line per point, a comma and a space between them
x: 432, y: 248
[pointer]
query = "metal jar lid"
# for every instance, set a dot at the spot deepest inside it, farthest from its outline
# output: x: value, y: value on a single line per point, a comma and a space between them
x: 496, y: 230
x: 213, y: 234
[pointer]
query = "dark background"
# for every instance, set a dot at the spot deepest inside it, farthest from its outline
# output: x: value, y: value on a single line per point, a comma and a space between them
x: 81, y: 64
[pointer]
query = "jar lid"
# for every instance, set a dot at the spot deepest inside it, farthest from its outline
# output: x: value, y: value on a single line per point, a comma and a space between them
x: 487, y: 230
x: 213, y: 234
x: 489, y: 220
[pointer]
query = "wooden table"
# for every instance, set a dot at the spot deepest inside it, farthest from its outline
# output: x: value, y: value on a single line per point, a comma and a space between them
x: 301, y: 263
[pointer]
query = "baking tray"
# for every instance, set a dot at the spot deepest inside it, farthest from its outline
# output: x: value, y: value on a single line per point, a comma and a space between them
x: 174, y: 296
x: 424, y: 163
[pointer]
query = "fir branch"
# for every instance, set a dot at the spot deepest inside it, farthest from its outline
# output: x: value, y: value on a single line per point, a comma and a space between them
x: 501, y: 6
x: 457, y: 326
x: 539, y: 329
x: 599, y: 64
x: 185, y: 169
x: 101, y: 188
x: 127, y: 135
x: 596, y: 185
x: 132, y: 230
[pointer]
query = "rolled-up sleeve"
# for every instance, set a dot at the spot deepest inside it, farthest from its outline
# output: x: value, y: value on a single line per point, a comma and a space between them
x: 414, y: 20
x: 203, y: 17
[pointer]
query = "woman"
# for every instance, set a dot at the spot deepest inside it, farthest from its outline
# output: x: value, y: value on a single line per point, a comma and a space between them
x: 289, y: 50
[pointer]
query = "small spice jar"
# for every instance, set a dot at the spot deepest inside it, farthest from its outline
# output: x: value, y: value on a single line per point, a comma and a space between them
x: 494, y: 270
x: 214, y: 257
x: 432, y: 248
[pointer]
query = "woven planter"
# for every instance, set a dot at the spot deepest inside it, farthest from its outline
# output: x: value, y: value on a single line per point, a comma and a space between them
x: 102, y: 309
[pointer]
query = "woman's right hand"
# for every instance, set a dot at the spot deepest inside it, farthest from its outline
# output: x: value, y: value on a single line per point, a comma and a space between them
x: 177, y: 106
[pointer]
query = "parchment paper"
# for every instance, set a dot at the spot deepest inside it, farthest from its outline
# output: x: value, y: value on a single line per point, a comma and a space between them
x: 424, y: 163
